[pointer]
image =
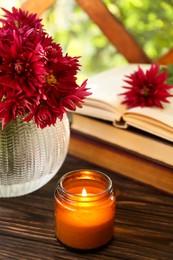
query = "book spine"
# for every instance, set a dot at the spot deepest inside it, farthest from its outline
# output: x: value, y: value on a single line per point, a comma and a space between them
x: 121, y: 162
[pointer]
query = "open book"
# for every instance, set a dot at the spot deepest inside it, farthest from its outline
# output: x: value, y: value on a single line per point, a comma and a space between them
x: 105, y: 103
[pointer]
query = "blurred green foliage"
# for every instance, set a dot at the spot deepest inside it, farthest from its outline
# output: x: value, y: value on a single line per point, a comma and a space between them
x: 150, y: 22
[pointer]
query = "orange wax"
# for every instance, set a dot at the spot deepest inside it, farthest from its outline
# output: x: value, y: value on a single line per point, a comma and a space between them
x: 85, y: 222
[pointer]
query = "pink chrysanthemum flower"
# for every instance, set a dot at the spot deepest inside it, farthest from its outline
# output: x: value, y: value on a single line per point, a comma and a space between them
x: 147, y: 89
x: 37, y: 81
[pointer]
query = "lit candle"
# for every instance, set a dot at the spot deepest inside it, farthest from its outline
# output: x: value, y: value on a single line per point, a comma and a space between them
x: 84, y: 209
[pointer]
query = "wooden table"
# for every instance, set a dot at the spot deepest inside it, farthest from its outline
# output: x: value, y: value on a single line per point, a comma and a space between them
x: 143, y: 223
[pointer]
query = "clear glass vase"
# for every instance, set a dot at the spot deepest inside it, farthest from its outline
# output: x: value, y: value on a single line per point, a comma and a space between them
x: 30, y: 156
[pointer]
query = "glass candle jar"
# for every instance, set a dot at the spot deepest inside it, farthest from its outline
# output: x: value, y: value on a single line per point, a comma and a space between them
x: 84, y: 209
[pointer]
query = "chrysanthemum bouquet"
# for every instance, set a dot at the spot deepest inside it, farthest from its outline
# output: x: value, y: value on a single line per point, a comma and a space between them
x: 36, y: 80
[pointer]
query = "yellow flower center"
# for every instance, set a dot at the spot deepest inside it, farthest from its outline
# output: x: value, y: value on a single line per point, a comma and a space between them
x: 3, y: 98
x: 18, y: 67
x: 51, y: 80
x: 145, y: 91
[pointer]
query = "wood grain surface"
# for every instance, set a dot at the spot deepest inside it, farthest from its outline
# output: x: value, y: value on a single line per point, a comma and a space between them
x: 143, y: 224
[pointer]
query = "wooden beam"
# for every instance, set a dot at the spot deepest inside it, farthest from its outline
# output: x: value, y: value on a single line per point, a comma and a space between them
x: 167, y: 58
x: 114, y: 31
x: 37, y: 6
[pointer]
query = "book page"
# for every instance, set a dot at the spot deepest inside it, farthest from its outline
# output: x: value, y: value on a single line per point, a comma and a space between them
x: 105, y: 88
x: 96, y: 112
x: 165, y: 114
x: 152, y: 119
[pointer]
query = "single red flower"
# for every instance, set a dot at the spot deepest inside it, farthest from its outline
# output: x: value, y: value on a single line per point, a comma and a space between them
x: 147, y: 89
x: 20, y: 20
x: 45, y: 116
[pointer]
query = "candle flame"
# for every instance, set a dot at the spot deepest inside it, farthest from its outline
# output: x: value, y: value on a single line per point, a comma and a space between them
x: 84, y: 192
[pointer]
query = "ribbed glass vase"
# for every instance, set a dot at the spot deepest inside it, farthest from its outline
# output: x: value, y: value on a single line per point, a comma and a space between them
x: 30, y: 156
